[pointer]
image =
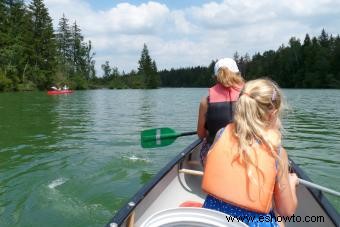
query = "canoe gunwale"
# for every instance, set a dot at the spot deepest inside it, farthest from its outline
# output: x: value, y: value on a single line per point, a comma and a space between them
x: 318, y: 195
x: 126, y: 210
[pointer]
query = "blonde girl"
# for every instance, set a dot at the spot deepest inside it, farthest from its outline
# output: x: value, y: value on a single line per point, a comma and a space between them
x: 247, y: 168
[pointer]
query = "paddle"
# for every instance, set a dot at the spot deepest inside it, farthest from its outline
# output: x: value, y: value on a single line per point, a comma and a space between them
x: 319, y: 187
x: 160, y: 137
x: 301, y: 181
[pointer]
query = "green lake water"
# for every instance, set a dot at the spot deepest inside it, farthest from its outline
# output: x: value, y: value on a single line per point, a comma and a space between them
x: 74, y: 160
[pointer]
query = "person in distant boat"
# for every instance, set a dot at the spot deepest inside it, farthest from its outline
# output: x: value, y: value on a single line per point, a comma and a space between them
x: 56, y: 88
x: 216, y: 110
x: 65, y: 87
x: 246, y: 169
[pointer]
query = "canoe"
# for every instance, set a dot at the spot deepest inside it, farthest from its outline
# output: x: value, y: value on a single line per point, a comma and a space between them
x: 57, y: 92
x: 169, y: 199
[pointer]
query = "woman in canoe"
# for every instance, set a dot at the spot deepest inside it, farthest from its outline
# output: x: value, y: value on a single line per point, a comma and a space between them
x: 246, y: 172
x: 216, y: 110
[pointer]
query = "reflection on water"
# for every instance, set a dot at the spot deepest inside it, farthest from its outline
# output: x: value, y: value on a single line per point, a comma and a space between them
x: 146, y: 107
x: 73, y: 160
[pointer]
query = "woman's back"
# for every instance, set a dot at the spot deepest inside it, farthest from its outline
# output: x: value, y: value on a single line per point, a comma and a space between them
x: 216, y: 110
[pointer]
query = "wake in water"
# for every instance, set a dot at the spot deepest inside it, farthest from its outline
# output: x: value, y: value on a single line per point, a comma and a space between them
x: 57, y: 182
x: 134, y: 158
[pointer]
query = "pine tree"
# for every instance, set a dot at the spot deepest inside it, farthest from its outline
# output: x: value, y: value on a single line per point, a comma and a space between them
x: 14, y: 54
x: 144, y: 61
x: 90, y: 72
x: 63, y: 36
x: 154, y: 77
x: 335, y: 62
x: 324, y: 39
x: 3, y: 23
x: 107, y: 71
x: 77, y: 49
x: 147, y: 68
x: 3, y: 27
x: 44, y: 46
x: 76, y: 59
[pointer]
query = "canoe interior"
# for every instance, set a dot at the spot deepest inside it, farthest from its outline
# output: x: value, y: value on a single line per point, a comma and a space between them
x: 169, y: 188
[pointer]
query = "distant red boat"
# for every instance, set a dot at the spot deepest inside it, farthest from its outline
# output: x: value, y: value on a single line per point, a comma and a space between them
x: 59, y: 92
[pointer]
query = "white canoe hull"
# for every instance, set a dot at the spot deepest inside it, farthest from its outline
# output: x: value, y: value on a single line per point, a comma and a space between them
x: 170, y: 188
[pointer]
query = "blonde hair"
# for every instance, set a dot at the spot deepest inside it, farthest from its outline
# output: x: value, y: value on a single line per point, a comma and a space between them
x: 258, y: 100
x: 228, y: 78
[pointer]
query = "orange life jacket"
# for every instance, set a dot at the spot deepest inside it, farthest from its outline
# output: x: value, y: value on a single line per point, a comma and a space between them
x: 225, y: 176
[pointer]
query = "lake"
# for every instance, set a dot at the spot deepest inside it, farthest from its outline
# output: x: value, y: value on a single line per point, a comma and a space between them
x: 74, y: 160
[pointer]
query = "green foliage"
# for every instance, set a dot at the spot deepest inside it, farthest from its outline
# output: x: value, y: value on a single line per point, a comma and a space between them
x: 118, y: 83
x: 43, y: 43
x: 5, y: 83
x: 134, y: 81
x: 78, y: 82
x: 188, y: 77
x: 128, y: 81
x: 75, y: 57
x: 107, y: 70
x: 63, y: 39
x: 28, y: 86
x: 33, y: 56
x: 147, y: 76
x: 312, y: 64
x: 147, y: 68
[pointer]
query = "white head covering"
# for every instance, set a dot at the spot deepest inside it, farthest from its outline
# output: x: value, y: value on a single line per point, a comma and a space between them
x: 228, y: 63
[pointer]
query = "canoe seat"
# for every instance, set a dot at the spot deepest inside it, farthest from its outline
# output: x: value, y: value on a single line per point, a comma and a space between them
x: 191, y: 204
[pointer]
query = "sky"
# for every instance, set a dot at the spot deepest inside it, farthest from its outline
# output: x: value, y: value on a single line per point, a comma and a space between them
x: 185, y: 33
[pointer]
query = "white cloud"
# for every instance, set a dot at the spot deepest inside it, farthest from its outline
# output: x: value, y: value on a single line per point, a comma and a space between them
x: 129, y: 19
x: 181, y: 24
x: 310, y: 7
x: 232, y: 13
x: 194, y: 35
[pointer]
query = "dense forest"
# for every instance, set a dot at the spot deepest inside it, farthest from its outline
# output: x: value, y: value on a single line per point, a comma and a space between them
x: 35, y: 56
x: 314, y: 63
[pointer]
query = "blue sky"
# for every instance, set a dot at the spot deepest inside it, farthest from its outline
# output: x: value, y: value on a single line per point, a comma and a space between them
x: 185, y: 33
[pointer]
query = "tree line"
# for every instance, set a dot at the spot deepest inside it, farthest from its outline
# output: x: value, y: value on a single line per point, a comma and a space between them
x: 34, y: 56
x: 313, y: 63
x: 146, y: 77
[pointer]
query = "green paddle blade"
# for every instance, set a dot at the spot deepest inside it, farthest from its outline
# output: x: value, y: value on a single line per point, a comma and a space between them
x: 158, y: 137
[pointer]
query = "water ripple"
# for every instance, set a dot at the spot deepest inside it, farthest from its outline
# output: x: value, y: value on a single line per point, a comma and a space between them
x: 86, y: 147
